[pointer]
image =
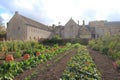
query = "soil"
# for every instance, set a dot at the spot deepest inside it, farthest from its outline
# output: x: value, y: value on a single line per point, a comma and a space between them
x: 2, y: 57
x: 51, y: 70
x: 105, y: 66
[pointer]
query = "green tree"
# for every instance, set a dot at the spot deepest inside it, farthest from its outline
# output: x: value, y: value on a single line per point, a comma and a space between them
x: 2, y: 27
x: 1, y: 21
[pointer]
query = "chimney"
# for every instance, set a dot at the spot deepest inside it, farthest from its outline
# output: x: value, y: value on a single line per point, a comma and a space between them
x: 78, y: 22
x: 83, y: 23
x: 53, y: 25
x: 16, y: 12
x: 59, y: 23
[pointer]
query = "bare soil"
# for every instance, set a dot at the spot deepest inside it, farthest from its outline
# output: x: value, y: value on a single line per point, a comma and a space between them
x: 105, y: 66
x: 51, y: 70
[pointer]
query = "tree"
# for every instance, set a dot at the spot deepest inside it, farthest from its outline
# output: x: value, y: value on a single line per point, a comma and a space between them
x: 2, y: 27
x: 1, y: 21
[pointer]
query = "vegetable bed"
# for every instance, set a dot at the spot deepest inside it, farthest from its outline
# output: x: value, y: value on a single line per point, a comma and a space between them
x: 9, y: 70
x: 81, y: 67
x: 108, y: 45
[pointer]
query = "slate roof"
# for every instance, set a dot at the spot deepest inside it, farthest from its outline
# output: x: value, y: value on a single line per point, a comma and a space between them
x: 33, y: 23
x: 113, y: 23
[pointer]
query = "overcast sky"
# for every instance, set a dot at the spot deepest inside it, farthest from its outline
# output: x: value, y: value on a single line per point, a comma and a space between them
x: 53, y: 11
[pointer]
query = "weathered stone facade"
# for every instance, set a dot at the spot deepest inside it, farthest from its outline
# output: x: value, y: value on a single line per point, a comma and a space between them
x: 70, y: 30
x: 73, y: 30
x: 84, y: 32
x: 102, y: 28
x: 23, y: 28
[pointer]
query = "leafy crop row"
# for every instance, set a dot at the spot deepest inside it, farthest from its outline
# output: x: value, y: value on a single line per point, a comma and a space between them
x: 9, y: 70
x: 17, y: 45
x: 107, y: 45
x: 81, y: 67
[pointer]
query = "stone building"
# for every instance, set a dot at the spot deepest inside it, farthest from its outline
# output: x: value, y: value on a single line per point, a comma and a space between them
x: 23, y: 28
x: 84, y: 32
x: 72, y: 30
x: 102, y: 28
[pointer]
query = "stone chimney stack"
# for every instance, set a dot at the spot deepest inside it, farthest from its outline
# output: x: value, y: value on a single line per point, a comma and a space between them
x: 78, y: 22
x: 16, y: 12
x: 83, y: 23
x: 59, y: 23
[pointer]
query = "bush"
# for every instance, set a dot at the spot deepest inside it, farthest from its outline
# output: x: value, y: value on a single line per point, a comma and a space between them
x: 68, y: 44
x: 77, y: 45
x: 18, y: 54
x: 107, y: 45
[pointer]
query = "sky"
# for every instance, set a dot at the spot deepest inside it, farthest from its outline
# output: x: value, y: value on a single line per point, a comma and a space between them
x: 54, y: 11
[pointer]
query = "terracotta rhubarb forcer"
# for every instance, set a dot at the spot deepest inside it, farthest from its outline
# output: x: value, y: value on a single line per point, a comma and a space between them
x: 37, y: 53
x: 26, y: 56
x: 9, y: 58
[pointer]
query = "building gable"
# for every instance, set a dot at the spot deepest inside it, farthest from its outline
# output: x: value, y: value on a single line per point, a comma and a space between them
x: 16, y: 28
x: 33, y: 23
x: 70, y: 29
x: 22, y: 28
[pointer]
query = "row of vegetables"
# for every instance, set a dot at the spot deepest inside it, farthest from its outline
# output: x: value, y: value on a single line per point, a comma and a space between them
x: 109, y: 46
x: 11, y: 68
x: 17, y: 45
x: 18, y: 48
x: 81, y: 67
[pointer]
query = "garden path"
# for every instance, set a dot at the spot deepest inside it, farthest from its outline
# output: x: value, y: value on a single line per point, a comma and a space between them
x: 105, y: 66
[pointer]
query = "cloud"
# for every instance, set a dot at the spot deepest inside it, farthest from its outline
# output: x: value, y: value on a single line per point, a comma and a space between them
x: 114, y: 16
x: 6, y: 17
x: 29, y: 8
x: 53, y: 11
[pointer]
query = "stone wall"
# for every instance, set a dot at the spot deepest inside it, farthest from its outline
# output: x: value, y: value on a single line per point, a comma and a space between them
x: 87, y: 36
x: 113, y: 27
x: 103, y: 28
x: 37, y: 33
x: 70, y: 30
x: 16, y: 29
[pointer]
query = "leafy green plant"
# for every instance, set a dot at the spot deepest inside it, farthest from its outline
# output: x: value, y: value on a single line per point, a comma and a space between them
x: 9, y: 70
x: 81, y: 67
x: 77, y: 45
x: 68, y: 44
x: 18, y: 54
x: 107, y: 45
